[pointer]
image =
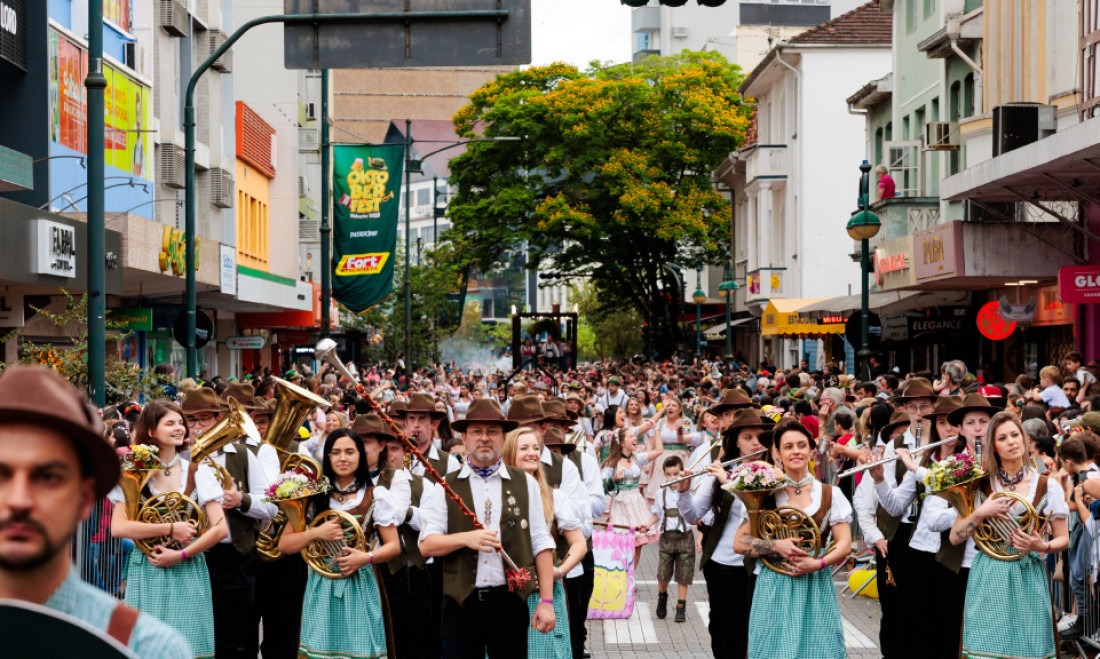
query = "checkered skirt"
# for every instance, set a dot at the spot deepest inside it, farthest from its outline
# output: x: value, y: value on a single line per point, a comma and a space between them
x: 994, y: 594
x: 795, y: 617
x: 342, y: 618
x: 556, y: 644
x: 178, y: 596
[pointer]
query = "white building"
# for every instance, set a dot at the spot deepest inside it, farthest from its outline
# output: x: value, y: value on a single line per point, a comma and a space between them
x: 796, y: 180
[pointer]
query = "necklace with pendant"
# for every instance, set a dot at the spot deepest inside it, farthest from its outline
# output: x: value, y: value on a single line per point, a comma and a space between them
x: 803, y: 482
x: 168, y: 468
x: 1011, y: 483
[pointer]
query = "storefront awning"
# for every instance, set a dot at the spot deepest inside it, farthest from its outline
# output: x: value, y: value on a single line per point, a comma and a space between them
x: 887, y: 302
x: 720, y: 329
x: 1056, y: 168
x: 784, y: 318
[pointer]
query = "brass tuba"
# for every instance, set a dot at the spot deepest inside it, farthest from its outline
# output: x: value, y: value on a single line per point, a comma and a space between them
x: 994, y: 535
x: 295, y: 404
x: 267, y: 538
x: 163, y: 508
x: 321, y: 555
x: 785, y: 523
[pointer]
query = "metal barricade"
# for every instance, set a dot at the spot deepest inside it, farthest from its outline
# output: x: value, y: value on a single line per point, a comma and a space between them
x: 99, y: 558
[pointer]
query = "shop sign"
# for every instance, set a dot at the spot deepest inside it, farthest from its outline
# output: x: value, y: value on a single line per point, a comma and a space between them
x: 992, y: 325
x: 832, y: 320
x: 55, y: 249
x: 896, y: 328
x: 204, y: 329
x: 1079, y: 284
x: 229, y: 270
x: 13, y: 32
x: 1051, y: 310
x: 918, y: 326
x: 132, y: 319
x: 11, y: 308
x: 254, y: 342
x: 936, y: 251
x: 173, y: 252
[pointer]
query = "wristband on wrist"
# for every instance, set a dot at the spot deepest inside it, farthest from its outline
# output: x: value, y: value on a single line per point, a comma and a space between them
x: 370, y: 557
x: 183, y: 552
x: 1048, y: 546
x: 544, y: 600
x: 822, y: 563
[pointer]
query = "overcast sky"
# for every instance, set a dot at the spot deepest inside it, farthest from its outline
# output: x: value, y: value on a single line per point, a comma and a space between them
x: 579, y: 31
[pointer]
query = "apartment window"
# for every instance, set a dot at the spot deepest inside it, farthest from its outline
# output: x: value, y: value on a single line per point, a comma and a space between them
x: 878, y: 145
x: 252, y: 231
x: 954, y: 109
x: 905, y: 134
x: 968, y: 95
x: 643, y: 41
x: 422, y: 198
x: 935, y: 109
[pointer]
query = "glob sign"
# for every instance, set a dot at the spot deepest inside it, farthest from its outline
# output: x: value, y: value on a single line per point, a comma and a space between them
x: 992, y: 325
x: 1079, y: 284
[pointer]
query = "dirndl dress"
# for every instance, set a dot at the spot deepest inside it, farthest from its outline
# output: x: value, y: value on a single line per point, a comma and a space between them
x: 556, y: 644
x: 996, y: 589
x: 678, y: 444
x: 628, y: 507
x: 806, y: 605
x: 178, y: 596
x: 344, y: 618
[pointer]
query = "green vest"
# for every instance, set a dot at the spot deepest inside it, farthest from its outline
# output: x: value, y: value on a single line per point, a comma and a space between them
x: 460, y: 566
x: 440, y: 463
x: 553, y: 474
x: 721, y: 517
x: 575, y: 458
x: 886, y: 522
x: 242, y: 529
x: 409, y: 537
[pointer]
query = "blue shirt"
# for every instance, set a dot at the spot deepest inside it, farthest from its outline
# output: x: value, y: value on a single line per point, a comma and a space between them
x: 150, y: 639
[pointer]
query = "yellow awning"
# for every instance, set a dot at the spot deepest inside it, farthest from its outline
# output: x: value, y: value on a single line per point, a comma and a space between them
x: 782, y: 318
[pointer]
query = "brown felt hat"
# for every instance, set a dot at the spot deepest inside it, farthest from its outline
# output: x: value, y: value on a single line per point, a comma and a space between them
x: 241, y: 391
x: 944, y: 406
x: 732, y: 399
x: 398, y: 408
x: 917, y: 388
x: 260, y: 406
x: 423, y: 404
x: 202, y: 400
x: 484, y: 410
x: 746, y: 418
x: 556, y: 411
x: 526, y: 409
x: 897, y: 419
x: 972, y: 403
x: 555, y: 437
x: 38, y: 395
x: 371, y: 425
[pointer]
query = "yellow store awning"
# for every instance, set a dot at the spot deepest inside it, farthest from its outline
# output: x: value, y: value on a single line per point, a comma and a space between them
x: 782, y: 318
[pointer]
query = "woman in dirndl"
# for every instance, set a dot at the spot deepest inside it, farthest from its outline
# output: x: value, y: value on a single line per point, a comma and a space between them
x: 173, y: 585
x: 996, y: 588
x: 521, y: 449
x: 805, y: 598
x: 678, y: 438
x: 622, y: 476
x: 345, y: 618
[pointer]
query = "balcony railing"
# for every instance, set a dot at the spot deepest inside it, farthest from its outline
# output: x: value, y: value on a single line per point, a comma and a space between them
x: 902, y: 216
x: 765, y: 161
x: 765, y: 284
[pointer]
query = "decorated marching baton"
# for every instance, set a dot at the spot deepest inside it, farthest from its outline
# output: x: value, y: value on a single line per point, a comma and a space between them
x: 517, y: 577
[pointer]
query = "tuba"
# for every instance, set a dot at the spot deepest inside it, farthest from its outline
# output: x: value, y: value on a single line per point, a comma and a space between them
x: 235, y: 425
x: 295, y: 404
x: 994, y: 535
x: 321, y: 555
x: 292, y: 513
x: 163, y: 508
x: 783, y: 523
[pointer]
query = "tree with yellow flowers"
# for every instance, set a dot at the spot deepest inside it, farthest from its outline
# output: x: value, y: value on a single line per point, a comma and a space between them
x: 611, y: 180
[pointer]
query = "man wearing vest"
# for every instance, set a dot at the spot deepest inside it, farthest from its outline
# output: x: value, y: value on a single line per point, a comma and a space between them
x: 46, y: 428
x: 613, y: 396
x: 560, y: 430
x: 729, y: 583
x: 421, y: 423
x: 731, y: 401
x: 410, y: 585
x: 560, y: 473
x: 480, y: 614
x: 232, y: 562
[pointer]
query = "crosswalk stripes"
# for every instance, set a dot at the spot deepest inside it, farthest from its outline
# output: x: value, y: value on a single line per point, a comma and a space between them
x: 638, y: 629
x: 704, y: 611
x: 855, y: 639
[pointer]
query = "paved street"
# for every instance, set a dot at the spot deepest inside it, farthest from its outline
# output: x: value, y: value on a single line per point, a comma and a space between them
x: 643, y: 635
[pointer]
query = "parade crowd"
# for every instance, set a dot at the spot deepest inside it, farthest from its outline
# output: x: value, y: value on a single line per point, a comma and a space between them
x: 450, y: 513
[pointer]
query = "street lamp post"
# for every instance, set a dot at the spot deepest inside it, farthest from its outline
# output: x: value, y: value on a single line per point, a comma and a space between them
x: 726, y: 289
x: 863, y: 226
x: 699, y: 297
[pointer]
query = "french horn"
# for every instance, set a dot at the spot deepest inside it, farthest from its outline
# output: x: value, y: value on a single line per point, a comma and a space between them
x: 784, y: 523
x: 321, y: 555
x: 163, y: 508
x: 993, y: 537
x: 267, y: 538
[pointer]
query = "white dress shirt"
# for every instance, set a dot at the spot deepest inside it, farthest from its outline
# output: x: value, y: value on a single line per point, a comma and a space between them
x: 257, y: 487
x: 695, y: 507
x: 865, y: 503
x: 566, y: 517
x: 890, y: 475
x: 269, y: 459
x: 490, y: 566
x: 664, y: 501
x: 597, y: 498
x: 207, y: 487
x: 571, y: 483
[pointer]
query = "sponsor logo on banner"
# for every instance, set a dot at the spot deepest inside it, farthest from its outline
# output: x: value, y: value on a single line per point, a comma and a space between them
x: 361, y: 264
x: 1079, y: 284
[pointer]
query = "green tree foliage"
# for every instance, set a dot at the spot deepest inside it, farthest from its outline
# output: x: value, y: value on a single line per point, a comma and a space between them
x: 612, y: 178
x: 605, y: 330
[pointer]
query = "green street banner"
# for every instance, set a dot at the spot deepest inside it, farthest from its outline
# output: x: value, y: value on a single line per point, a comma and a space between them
x: 366, y: 186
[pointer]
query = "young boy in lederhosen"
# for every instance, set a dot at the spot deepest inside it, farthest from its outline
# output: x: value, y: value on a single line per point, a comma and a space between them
x: 677, y: 545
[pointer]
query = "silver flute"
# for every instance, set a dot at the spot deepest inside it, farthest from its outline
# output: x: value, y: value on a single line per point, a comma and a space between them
x: 726, y: 464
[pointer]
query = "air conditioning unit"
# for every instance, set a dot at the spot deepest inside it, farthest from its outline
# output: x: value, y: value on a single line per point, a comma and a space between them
x: 680, y: 32
x: 311, y: 111
x: 308, y: 229
x: 222, y: 188
x: 173, y: 17
x: 173, y: 166
x: 1019, y: 124
x: 309, y: 140
x: 134, y: 57
x: 214, y: 40
x: 941, y: 136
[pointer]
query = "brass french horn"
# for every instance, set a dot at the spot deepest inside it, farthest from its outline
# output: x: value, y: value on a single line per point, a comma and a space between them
x: 163, y: 508
x: 295, y: 405
x: 321, y: 555
x: 784, y: 523
x: 993, y: 537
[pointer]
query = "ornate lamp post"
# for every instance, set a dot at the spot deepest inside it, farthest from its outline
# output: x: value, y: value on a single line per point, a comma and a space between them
x: 863, y: 226
x: 726, y: 289
x: 700, y: 297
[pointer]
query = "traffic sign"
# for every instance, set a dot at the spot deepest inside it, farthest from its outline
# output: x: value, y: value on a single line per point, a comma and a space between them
x: 245, y: 342
x: 403, y: 33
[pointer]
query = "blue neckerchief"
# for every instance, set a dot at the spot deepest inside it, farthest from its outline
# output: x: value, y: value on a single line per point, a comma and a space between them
x: 485, y: 472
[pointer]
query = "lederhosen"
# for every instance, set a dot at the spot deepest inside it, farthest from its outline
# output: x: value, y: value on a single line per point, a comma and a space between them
x: 675, y: 545
x: 280, y: 590
x: 232, y: 568
x: 466, y: 609
x: 729, y: 587
x: 578, y: 590
x: 409, y: 589
x: 901, y: 603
